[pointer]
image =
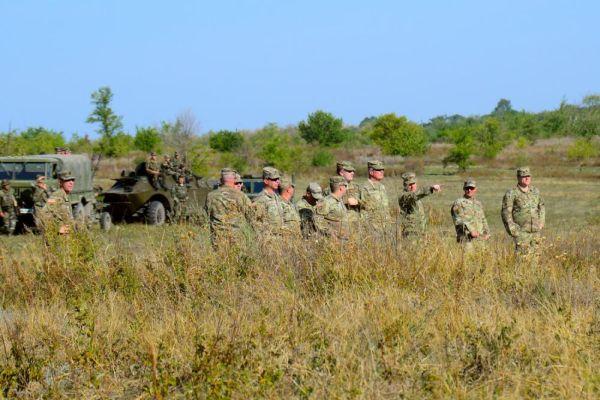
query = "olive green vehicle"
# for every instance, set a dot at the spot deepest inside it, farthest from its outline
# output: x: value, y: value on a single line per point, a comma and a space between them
x: 132, y: 197
x: 22, y: 172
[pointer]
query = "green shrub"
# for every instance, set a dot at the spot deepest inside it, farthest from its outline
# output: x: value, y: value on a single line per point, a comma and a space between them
x: 322, y: 158
x: 323, y: 128
x: 582, y: 150
x: 225, y: 141
x: 147, y: 139
x: 398, y: 136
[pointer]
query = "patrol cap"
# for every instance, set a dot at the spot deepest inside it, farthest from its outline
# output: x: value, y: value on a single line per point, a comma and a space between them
x: 228, y: 173
x: 66, y: 176
x: 40, y: 178
x: 286, y: 182
x: 470, y: 183
x: 376, y: 165
x: 270, y: 173
x: 523, y: 171
x: 315, y: 190
x: 5, y: 182
x: 152, y: 153
x: 409, y: 178
x: 346, y: 165
x: 238, y: 178
x: 336, y: 181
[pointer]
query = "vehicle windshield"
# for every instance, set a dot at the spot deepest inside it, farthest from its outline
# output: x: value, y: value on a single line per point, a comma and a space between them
x: 25, y: 171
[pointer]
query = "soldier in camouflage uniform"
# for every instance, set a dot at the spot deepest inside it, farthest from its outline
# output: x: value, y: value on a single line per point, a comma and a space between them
x: 229, y: 210
x: 267, y: 205
x: 8, y: 208
x: 346, y: 170
x: 180, y: 198
x: 373, y: 200
x: 524, y: 213
x: 468, y: 216
x: 413, y: 221
x: 40, y: 194
x: 57, y: 214
x: 331, y: 213
x: 153, y: 170
x: 291, y: 218
x: 166, y: 169
x: 306, y: 208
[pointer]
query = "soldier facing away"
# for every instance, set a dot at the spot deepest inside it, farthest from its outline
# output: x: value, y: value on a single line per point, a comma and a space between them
x: 58, y: 212
x: 8, y: 208
x: 306, y: 208
x: 524, y: 213
x: 413, y: 221
x: 332, y: 215
x: 373, y: 200
x: 180, y: 199
x: 229, y: 209
x: 267, y: 205
x: 468, y: 216
x: 291, y: 218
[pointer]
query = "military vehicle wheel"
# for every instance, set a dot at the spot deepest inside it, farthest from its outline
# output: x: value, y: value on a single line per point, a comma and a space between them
x: 155, y: 213
x: 105, y: 221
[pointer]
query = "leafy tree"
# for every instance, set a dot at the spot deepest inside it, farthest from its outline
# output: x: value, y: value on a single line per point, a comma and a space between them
x: 502, y: 108
x: 398, y: 136
x: 464, y: 147
x: 81, y: 144
x: 323, y: 128
x: 147, y: 139
x: 280, y: 149
x: 182, y: 133
x: 39, y: 140
x: 592, y: 100
x: 225, y: 141
x: 322, y: 158
x: 492, y: 139
x: 110, y: 123
x: 121, y: 144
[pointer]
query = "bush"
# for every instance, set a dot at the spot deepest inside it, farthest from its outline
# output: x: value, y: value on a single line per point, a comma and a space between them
x: 323, y: 128
x: 147, y: 139
x: 464, y: 145
x: 322, y: 158
x: 280, y: 149
x: 225, y: 141
x: 398, y: 136
x: 491, y: 137
x: 582, y: 150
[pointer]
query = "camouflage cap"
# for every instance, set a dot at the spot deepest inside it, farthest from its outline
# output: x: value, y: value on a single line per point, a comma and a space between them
x: 523, y: 171
x: 228, y: 173
x: 286, y: 182
x: 409, y: 178
x: 270, y: 173
x: 337, y: 181
x: 5, y: 182
x: 346, y: 165
x: 152, y: 153
x: 376, y: 165
x: 40, y: 178
x: 315, y: 190
x: 470, y: 182
x: 66, y: 176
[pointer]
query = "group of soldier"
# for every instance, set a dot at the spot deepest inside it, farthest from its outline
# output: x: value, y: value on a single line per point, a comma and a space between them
x: 171, y: 166
x: 346, y: 207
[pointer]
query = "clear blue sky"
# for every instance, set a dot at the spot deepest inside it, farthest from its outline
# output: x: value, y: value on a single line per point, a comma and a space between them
x: 242, y: 64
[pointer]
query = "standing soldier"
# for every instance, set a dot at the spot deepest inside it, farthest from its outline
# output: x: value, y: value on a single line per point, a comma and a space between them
x: 346, y: 170
x: 268, y: 208
x: 306, y: 208
x: 413, y: 221
x: 469, y: 218
x: 229, y: 210
x: 166, y: 169
x: 373, y: 200
x: 153, y: 170
x: 8, y: 208
x: 291, y: 218
x: 58, y: 212
x: 40, y: 193
x: 332, y: 215
x: 180, y: 198
x: 524, y: 213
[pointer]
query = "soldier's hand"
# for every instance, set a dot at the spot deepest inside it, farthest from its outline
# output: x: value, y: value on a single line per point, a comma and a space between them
x: 352, y: 201
x: 436, y: 188
x: 474, y: 234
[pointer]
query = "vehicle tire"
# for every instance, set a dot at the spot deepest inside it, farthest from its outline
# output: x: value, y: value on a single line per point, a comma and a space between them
x: 155, y: 213
x: 105, y: 221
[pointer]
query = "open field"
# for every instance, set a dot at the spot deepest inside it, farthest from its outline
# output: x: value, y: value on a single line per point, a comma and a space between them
x: 146, y: 312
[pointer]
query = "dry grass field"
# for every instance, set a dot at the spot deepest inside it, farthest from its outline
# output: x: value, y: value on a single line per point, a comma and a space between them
x: 155, y: 312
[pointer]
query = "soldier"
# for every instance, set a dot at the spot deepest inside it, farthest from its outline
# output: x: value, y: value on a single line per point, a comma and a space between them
x: 291, y: 218
x: 373, y: 200
x: 268, y: 207
x: 153, y: 170
x: 239, y: 183
x: 167, y: 168
x: 524, y: 213
x: 413, y: 221
x: 58, y: 210
x: 229, y: 210
x: 180, y: 198
x: 306, y: 209
x: 332, y: 215
x: 40, y: 193
x: 346, y: 170
x: 469, y: 218
x: 8, y: 208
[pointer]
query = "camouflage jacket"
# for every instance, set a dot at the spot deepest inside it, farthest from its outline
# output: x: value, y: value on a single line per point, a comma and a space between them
x: 8, y: 203
x: 468, y: 217
x: 268, y: 212
x: 332, y: 217
x: 179, y: 193
x: 228, y: 209
x: 40, y: 196
x: 57, y: 209
x: 352, y: 192
x: 167, y: 168
x: 153, y: 165
x: 412, y: 212
x: 291, y: 218
x: 374, y: 203
x: 307, y: 217
x: 523, y: 211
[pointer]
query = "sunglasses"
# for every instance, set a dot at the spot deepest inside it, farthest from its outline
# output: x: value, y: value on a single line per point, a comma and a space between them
x: 239, y: 183
x: 274, y: 179
x: 470, y: 188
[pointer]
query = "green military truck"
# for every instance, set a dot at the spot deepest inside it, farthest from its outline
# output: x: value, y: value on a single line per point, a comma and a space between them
x: 22, y: 172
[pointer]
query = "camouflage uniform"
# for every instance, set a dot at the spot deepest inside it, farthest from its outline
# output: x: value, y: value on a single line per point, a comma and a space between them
x: 229, y: 211
x: 153, y: 165
x: 291, y: 218
x: 353, y: 191
x: 268, y: 207
x: 524, y: 215
x: 40, y: 196
x: 307, y: 210
x: 413, y: 221
x: 180, y: 198
x: 8, y: 206
x: 57, y: 211
x: 332, y: 215
x: 468, y: 216
x: 374, y: 203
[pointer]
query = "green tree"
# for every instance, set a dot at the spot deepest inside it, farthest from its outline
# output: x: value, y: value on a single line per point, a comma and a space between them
x: 109, y: 123
x: 121, y: 144
x: 225, y: 141
x: 463, y: 148
x: 502, y: 108
x: 39, y: 140
x: 491, y: 137
x: 147, y: 139
x: 280, y: 149
x: 399, y: 136
x: 81, y: 144
x: 323, y: 128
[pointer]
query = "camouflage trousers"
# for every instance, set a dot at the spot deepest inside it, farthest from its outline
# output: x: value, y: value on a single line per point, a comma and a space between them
x: 180, y: 212
x: 8, y: 223
x: 527, y: 243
